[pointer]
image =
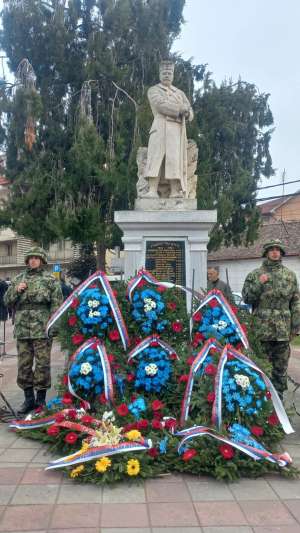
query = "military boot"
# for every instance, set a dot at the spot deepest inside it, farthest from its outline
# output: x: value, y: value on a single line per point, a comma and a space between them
x: 29, y: 402
x: 40, y: 398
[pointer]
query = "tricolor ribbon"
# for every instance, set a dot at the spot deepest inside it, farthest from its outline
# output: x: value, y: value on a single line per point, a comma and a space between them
x: 145, y: 343
x: 147, y: 276
x: 100, y: 451
x: 215, y: 294
x: 97, y: 345
x: 100, y: 276
x: 255, y: 453
x: 217, y: 405
x: 34, y: 423
x: 198, y: 361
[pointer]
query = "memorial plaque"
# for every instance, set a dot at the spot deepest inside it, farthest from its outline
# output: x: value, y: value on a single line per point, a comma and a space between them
x: 166, y: 260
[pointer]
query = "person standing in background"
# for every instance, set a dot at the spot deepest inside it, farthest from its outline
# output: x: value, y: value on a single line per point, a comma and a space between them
x: 214, y: 282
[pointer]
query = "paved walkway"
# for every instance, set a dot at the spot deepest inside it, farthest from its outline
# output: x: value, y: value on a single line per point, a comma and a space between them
x: 34, y: 500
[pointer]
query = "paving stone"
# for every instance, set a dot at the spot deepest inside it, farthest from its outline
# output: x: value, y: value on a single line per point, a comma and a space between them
x: 77, y: 530
x: 209, y: 491
x: 279, y: 529
x: 26, y: 517
x: 17, y: 455
x: 6, y: 492
x: 129, y: 515
x: 26, y: 443
x: 293, y: 450
x: 126, y: 530
x: 80, y: 493
x: 162, y: 492
x: 39, y: 476
x: 11, y: 476
x: 7, y: 438
x: 252, y: 489
x: 35, y: 494
x: 227, y: 529
x: 294, y: 507
x: 73, y: 516
x: 220, y: 514
x: 44, y: 457
x: 172, y: 514
x: 287, y: 489
x: 266, y: 513
x: 124, y: 493
x: 176, y: 529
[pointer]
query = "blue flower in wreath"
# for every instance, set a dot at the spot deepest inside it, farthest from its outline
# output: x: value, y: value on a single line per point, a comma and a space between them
x: 215, y: 323
x: 147, y: 309
x: 242, y: 434
x: 242, y: 388
x: 86, y: 374
x: 94, y: 310
x: 154, y: 369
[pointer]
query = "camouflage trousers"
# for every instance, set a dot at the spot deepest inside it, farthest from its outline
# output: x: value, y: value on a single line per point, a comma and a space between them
x: 278, y: 353
x: 34, y: 363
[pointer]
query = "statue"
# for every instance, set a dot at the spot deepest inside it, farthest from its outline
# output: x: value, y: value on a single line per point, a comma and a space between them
x: 167, y: 157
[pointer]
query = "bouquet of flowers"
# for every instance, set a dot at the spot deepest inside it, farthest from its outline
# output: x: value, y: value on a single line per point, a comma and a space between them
x: 86, y: 374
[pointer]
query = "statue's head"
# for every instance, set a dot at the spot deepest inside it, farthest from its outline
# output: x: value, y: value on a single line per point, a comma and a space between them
x: 166, y: 72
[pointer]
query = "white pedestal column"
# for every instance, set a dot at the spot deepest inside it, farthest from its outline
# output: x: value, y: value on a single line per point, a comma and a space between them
x: 191, y: 227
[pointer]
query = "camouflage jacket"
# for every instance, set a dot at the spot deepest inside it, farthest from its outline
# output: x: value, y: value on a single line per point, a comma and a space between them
x: 222, y: 286
x: 276, y: 302
x: 35, y: 305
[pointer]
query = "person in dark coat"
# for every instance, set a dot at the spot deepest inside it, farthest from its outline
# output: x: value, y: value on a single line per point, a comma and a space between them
x: 214, y: 282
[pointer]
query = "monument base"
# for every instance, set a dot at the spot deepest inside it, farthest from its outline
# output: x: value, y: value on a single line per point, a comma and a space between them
x: 166, y: 204
x: 185, y: 234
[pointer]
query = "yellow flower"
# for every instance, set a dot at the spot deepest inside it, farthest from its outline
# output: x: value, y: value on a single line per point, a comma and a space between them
x: 103, y: 464
x: 84, y: 447
x: 134, y: 434
x: 76, y: 471
x: 133, y: 467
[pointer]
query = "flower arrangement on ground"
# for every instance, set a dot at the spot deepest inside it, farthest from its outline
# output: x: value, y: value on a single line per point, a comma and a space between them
x: 167, y: 402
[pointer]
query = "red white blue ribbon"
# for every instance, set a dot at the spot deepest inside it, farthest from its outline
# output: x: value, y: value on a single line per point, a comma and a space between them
x: 100, y: 276
x: 198, y: 361
x: 147, y: 276
x: 215, y: 294
x: 100, y: 451
x: 217, y: 405
x: 255, y: 453
x: 97, y: 345
x: 145, y: 343
x: 34, y: 423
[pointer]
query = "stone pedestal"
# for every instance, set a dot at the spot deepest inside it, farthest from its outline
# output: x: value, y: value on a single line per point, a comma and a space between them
x: 192, y: 227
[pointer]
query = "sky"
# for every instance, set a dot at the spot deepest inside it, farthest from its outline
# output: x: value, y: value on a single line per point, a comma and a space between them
x: 258, y: 40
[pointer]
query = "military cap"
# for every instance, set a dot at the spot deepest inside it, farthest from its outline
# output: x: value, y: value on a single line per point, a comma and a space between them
x: 36, y: 251
x: 272, y: 244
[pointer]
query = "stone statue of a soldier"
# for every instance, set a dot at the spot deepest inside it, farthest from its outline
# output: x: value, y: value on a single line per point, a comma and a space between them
x: 167, y: 148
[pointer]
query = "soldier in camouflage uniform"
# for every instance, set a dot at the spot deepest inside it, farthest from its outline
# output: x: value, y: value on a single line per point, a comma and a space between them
x: 34, y: 294
x: 273, y: 292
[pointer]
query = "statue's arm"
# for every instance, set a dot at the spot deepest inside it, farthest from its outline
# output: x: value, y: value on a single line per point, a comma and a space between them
x: 161, y: 103
x: 189, y: 111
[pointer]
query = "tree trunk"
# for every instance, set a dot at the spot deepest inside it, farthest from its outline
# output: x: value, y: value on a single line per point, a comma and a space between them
x: 100, y: 256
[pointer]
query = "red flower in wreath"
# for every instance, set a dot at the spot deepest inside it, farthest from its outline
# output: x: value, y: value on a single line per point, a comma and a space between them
x: 273, y: 419
x: 226, y: 451
x: 210, y: 370
x: 161, y: 288
x: 183, y: 378
x: 71, y: 438
x: 197, y: 317
x: 189, y: 454
x: 154, y: 344
x: 153, y: 452
x: 177, y: 326
x: 130, y: 378
x: 65, y: 380
x: 59, y: 417
x: 86, y: 419
x: 142, y: 424
x: 75, y: 303
x: 122, y: 409
x: 190, y: 360
x: 77, y: 338
x: 72, y: 320
x: 67, y: 399
x: 213, y: 303
x: 114, y: 335
x: 157, y: 405
x: 211, y: 397
x: 268, y: 395
x: 172, y: 356
x: 102, y: 398
x: 257, y: 431
x: 170, y: 423
x: 53, y: 430
x: 156, y: 424
x: 72, y: 414
x: 234, y: 309
x: 172, y: 306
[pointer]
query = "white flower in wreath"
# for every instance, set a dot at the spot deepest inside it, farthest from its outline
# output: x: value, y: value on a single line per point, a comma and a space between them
x: 242, y: 380
x: 91, y: 314
x: 96, y: 313
x: 149, y: 304
x: 95, y: 303
x: 151, y: 369
x: 90, y: 303
x: 108, y: 416
x: 220, y: 325
x: 85, y: 368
